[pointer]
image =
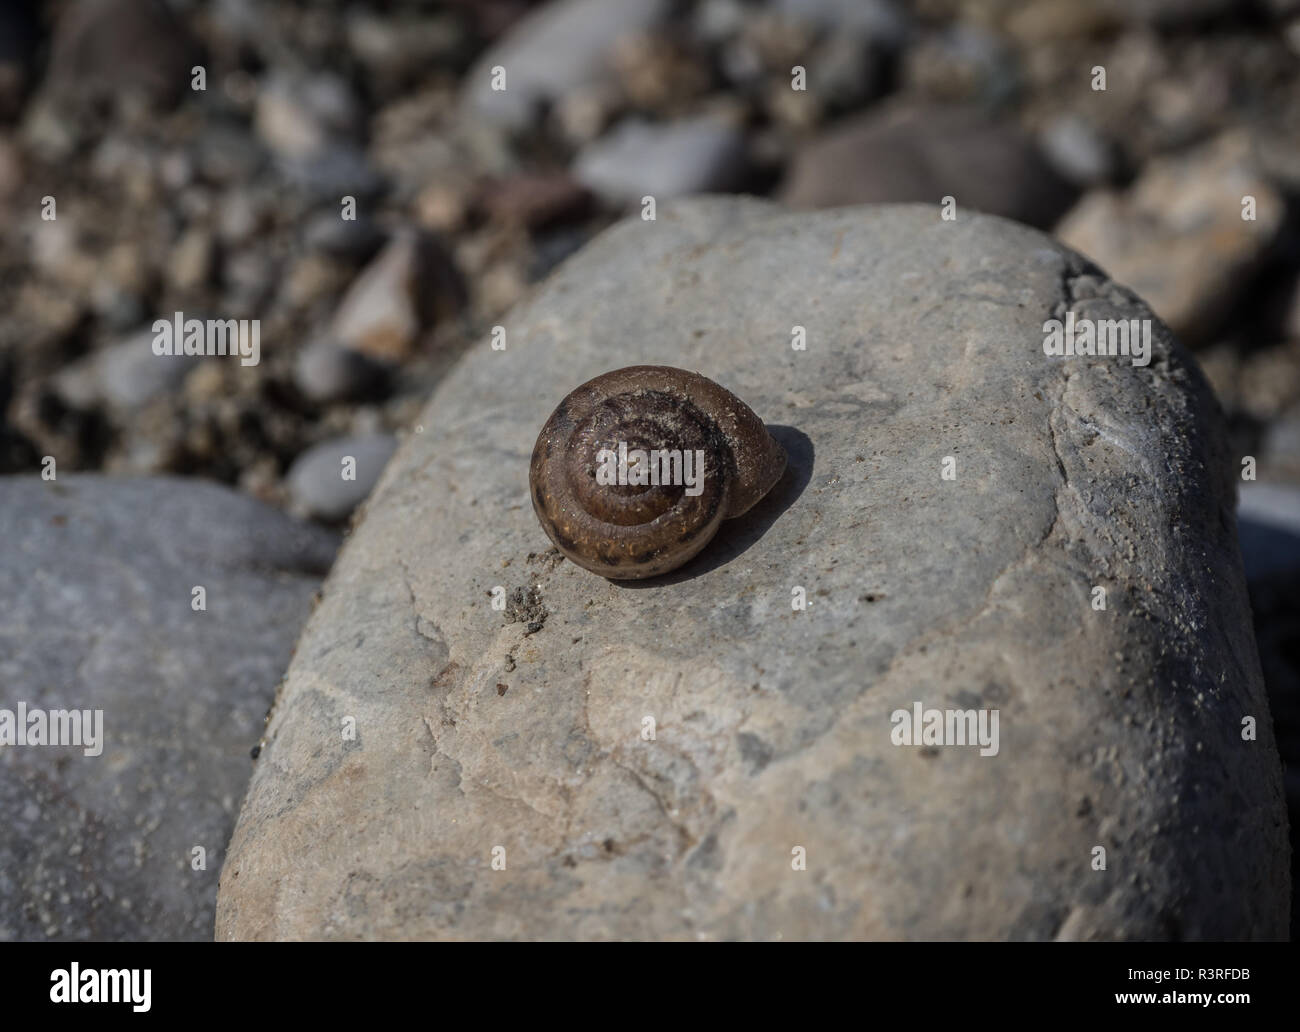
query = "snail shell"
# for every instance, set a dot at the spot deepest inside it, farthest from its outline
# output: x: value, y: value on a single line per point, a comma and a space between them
x: 629, y: 531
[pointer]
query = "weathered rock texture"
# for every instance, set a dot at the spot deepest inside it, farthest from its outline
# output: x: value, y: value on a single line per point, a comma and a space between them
x: 478, y: 729
x: 98, y: 576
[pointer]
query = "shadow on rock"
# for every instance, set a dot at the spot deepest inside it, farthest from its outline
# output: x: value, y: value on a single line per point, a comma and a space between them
x: 735, y: 536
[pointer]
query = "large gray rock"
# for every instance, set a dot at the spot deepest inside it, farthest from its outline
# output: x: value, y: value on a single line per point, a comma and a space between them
x: 98, y: 574
x: 477, y: 729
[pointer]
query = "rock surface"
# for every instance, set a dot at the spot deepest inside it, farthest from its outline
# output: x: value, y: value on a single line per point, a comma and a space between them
x: 485, y: 738
x: 99, y: 847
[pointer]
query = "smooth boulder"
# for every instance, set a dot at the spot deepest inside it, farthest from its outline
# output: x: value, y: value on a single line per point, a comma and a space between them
x: 694, y: 757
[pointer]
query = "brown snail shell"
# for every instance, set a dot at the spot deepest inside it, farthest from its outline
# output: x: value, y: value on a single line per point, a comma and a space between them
x: 629, y: 531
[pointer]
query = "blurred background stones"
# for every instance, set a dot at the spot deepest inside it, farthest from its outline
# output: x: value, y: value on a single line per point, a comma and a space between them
x: 226, y: 202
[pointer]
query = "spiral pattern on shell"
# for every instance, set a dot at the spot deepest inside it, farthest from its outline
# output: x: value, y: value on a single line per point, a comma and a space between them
x: 630, y: 530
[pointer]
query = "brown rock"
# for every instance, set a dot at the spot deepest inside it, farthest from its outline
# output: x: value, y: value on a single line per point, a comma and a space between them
x: 1177, y: 235
x: 925, y: 154
x: 406, y: 288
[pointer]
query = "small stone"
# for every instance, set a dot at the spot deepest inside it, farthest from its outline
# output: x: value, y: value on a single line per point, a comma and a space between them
x: 205, y: 383
x: 56, y: 249
x: 561, y: 46
x: 404, y: 290
x: 239, y: 216
x: 118, y: 292
x: 443, y: 206
x: 250, y: 276
x: 118, y: 310
x: 880, y: 19
x: 326, y: 372
x: 1177, y: 235
x: 127, y: 267
x: 228, y: 156
x: 583, y: 114
x: 192, y: 260
x: 846, y: 72
x: 1270, y: 381
x: 312, y: 278
x: 794, y: 111
x: 636, y: 158
x: 128, y: 163
x: 926, y: 154
x: 1049, y: 21
x: 125, y: 375
x: 339, y: 169
x: 396, y: 48
x: 297, y: 117
x: 500, y: 285
x: 717, y: 20
x: 1281, y: 446
x: 1077, y: 151
x: 960, y: 64
x: 658, y: 73
x: 176, y: 170
x: 535, y: 200
x: 1268, y: 518
x: 316, y: 479
x: 47, y: 130
x: 353, y: 239
x: 125, y: 50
